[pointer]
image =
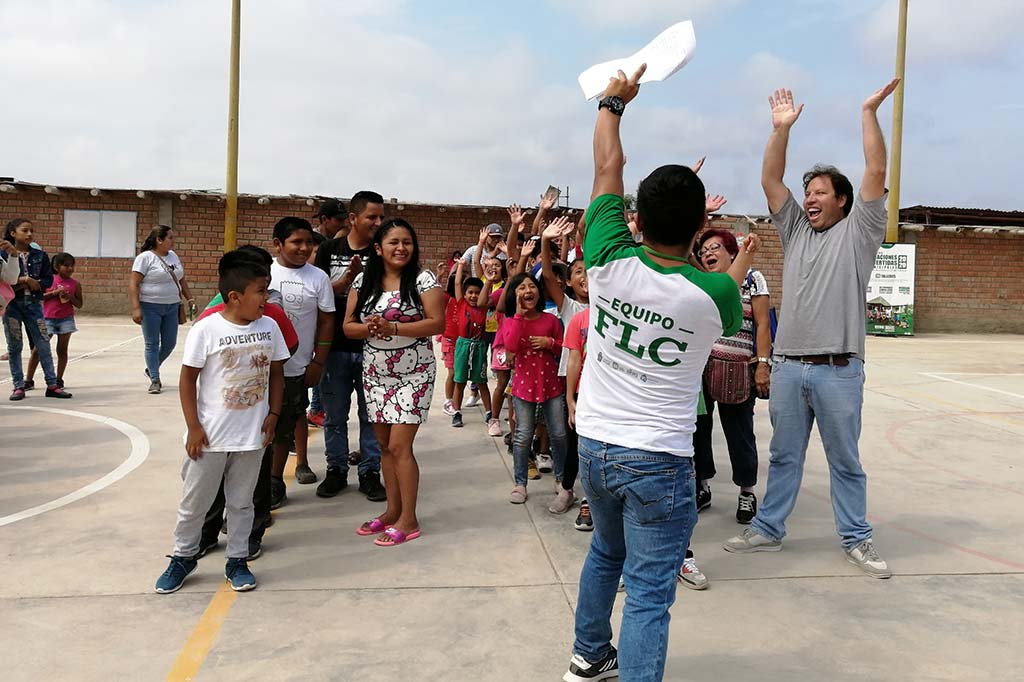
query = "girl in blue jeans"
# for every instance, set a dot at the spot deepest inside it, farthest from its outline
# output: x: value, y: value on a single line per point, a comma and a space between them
x: 156, y: 288
x: 26, y: 308
x: 535, y: 339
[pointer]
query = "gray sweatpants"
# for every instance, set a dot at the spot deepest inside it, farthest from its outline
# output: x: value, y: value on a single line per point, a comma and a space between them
x: 202, y: 478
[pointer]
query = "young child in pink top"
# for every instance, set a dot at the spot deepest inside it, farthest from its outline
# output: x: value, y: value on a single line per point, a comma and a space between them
x: 534, y: 339
x: 59, y: 303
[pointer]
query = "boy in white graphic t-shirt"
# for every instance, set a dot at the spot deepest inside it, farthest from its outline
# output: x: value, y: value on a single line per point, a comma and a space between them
x: 232, y: 378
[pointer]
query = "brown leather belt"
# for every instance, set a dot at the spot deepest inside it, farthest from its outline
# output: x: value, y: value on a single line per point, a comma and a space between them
x: 839, y: 359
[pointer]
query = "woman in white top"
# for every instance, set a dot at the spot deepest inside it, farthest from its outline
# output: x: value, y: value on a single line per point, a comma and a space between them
x: 156, y: 288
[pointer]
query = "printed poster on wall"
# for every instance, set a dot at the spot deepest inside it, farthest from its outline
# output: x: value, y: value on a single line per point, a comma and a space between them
x: 890, y: 304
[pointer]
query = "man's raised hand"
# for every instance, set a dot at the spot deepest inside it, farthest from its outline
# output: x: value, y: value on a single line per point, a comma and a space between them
x: 872, y: 103
x: 784, y: 114
x: 623, y: 87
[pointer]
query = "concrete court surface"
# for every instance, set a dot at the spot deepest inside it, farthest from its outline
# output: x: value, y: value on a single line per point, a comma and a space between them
x: 488, y: 591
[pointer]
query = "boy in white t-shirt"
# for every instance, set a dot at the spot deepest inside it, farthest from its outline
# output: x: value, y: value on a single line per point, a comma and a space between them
x: 237, y: 359
x: 308, y: 300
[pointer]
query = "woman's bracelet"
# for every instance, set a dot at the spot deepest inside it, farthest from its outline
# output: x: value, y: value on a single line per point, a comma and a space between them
x: 276, y: 414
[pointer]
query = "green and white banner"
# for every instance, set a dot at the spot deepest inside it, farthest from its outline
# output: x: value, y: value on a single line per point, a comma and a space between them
x: 890, y: 304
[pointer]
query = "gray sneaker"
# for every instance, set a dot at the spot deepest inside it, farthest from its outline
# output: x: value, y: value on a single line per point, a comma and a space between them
x: 751, y: 541
x: 562, y: 502
x: 865, y: 557
x: 155, y: 386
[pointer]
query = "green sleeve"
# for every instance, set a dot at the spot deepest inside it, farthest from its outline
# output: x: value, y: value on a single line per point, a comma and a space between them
x: 607, y: 237
x: 726, y: 295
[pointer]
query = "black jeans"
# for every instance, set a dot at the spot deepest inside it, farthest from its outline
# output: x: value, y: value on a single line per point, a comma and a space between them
x: 572, y: 455
x: 260, y: 503
x: 738, y: 425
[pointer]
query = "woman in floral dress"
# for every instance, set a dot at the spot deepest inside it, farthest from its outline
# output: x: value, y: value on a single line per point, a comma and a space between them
x: 397, y: 309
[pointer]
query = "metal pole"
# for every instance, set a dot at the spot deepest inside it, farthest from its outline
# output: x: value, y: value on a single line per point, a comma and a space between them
x: 892, y: 232
x: 231, y: 205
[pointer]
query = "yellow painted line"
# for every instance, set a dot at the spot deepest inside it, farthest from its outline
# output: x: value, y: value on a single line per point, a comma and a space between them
x: 197, y: 646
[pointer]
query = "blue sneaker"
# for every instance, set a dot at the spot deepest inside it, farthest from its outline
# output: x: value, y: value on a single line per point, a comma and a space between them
x: 238, y: 574
x: 174, y: 576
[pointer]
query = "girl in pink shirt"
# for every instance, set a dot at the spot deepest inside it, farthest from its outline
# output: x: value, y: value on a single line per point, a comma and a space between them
x: 533, y: 338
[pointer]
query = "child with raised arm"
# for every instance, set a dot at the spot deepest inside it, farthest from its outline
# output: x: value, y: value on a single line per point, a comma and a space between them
x: 470, y: 363
x: 231, y: 387
x: 534, y: 338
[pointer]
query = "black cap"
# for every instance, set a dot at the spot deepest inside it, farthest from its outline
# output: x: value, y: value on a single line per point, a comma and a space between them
x: 332, y: 208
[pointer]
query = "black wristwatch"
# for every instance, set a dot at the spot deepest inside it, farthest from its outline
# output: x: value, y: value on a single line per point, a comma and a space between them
x: 612, y: 104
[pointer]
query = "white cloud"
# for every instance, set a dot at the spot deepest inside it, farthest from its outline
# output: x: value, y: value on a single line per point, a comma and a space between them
x: 946, y: 32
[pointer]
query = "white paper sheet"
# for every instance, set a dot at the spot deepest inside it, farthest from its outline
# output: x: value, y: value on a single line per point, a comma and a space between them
x: 664, y: 55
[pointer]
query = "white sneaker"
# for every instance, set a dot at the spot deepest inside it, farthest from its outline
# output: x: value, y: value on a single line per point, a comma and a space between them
x: 751, y: 541
x: 494, y: 428
x: 449, y: 408
x: 865, y: 557
x: 544, y: 463
x: 691, y: 576
x: 474, y: 400
x: 563, y: 501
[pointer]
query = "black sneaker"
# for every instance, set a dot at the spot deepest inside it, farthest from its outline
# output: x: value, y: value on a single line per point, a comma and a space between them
x: 304, y: 475
x: 57, y: 392
x: 29, y: 384
x: 370, y: 485
x: 583, y: 520
x: 60, y: 383
x: 703, y: 499
x: 255, y: 550
x: 582, y: 671
x: 354, y: 458
x: 746, y: 508
x: 278, y: 492
x: 205, y: 547
x: 334, y: 482
x: 457, y: 420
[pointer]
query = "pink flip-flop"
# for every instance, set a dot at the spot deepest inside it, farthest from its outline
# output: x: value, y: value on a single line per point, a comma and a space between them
x: 392, y: 536
x: 372, y: 527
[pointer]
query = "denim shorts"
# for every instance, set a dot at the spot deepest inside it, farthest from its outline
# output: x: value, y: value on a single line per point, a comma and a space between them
x: 61, y: 325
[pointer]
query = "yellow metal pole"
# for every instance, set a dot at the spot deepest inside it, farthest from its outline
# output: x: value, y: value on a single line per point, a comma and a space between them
x: 892, y: 232
x: 231, y: 207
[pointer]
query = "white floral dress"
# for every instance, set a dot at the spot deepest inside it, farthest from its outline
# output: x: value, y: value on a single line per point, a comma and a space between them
x: 398, y: 373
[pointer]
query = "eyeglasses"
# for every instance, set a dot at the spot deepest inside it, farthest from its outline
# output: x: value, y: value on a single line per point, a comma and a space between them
x: 710, y: 248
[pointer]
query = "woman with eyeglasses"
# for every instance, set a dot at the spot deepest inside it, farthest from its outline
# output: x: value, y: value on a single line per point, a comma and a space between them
x: 749, y: 349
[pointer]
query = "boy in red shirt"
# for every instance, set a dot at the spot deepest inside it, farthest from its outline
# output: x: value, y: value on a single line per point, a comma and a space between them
x: 470, y: 362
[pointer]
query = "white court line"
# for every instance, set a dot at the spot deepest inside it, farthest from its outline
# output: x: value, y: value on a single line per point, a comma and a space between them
x: 965, y: 383
x: 88, y: 355
x: 138, y: 455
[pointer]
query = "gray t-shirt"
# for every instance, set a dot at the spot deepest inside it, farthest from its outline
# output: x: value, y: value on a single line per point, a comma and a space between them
x: 825, y: 277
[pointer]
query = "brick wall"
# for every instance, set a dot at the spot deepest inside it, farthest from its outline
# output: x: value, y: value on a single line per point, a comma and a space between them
x: 967, y: 281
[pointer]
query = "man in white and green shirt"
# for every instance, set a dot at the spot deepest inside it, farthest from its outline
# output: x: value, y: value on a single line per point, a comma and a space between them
x: 653, y: 320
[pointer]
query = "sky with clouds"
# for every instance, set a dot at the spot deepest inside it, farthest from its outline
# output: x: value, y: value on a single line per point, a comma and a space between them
x: 469, y: 102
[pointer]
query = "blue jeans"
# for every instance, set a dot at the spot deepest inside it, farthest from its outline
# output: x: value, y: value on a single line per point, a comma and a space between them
x: 30, y: 313
x: 522, y: 440
x: 832, y: 396
x: 343, y: 374
x: 160, y: 333
x: 315, y: 403
x: 644, y: 509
